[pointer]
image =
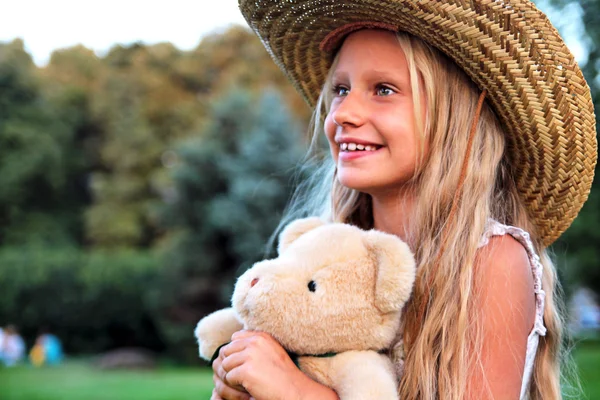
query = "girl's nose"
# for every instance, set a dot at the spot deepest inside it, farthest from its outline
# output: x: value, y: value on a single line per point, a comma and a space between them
x: 350, y: 111
x: 254, y: 282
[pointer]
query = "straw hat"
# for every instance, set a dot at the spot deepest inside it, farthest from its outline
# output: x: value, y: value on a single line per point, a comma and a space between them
x: 508, y: 47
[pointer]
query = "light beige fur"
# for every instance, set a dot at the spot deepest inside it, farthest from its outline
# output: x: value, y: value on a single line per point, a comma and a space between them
x: 215, y: 330
x: 363, y: 279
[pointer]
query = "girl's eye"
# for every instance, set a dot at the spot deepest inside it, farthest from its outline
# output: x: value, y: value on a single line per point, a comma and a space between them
x: 384, y: 91
x: 340, y: 91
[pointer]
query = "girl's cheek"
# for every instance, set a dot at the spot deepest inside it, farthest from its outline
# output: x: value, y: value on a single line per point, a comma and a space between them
x: 330, y: 129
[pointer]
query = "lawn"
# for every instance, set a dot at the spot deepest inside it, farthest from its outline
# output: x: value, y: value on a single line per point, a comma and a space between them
x: 78, y: 380
x: 587, y: 356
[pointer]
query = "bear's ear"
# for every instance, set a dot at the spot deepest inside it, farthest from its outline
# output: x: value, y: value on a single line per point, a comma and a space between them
x: 296, y: 229
x: 396, y: 269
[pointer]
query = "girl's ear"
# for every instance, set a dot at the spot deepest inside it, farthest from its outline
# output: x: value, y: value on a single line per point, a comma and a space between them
x: 396, y: 269
x: 296, y: 229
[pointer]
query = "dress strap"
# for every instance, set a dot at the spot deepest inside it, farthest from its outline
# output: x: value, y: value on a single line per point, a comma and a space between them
x: 495, y: 228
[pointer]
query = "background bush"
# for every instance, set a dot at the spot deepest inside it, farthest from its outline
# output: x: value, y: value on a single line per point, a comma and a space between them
x: 93, y: 300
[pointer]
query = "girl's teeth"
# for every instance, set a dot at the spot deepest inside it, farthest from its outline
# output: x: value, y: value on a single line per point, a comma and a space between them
x: 356, y: 147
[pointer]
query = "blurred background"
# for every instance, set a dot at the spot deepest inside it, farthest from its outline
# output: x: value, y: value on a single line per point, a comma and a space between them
x: 146, y: 155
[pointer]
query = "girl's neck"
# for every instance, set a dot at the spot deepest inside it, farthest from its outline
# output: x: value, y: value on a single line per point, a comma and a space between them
x: 391, y: 213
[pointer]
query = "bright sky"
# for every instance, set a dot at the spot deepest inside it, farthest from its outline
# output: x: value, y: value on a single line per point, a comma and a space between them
x: 46, y: 25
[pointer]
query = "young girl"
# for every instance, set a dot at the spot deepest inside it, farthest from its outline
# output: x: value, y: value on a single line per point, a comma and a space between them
x: 473, y: 139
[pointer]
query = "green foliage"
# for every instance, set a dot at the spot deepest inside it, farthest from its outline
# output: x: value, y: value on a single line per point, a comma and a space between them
x: 147, y: 98
x: 92, y: 300
x: 36, y: 143
x: 230, y: 186
x: 44, y: 156
x: 85, y: 166
x: 579, y: 248
x: 236, y: 58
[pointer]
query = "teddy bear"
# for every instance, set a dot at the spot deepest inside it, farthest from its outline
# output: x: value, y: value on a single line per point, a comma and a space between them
x: 333, y: 298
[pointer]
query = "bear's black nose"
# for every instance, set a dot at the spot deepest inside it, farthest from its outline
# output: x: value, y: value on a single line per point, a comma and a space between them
x: 254, y: 282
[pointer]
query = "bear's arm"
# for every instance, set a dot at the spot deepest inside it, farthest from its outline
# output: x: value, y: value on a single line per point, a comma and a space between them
x: 216, y: 329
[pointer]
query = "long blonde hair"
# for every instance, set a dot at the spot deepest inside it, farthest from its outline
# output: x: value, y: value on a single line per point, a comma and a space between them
x: 442, y: 343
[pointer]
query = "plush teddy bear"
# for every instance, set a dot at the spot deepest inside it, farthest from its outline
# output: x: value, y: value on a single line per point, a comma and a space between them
x: 333, y: 298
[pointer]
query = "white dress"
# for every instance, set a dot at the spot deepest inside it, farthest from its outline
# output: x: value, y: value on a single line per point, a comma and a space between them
x: 495, y: 228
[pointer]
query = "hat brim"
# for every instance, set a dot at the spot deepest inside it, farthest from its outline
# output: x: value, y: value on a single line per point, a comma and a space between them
x: 508, y: 48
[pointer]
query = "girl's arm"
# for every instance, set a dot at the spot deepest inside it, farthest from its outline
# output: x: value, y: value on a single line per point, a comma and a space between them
x: 256, y: 364
x: 507, y: 305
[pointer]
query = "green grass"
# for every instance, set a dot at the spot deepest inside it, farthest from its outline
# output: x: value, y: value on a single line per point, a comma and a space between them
x: 587, y: 357
x: 77, y: 380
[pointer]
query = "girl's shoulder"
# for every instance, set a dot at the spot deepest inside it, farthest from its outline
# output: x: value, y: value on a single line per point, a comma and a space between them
x: 513, y: 243
x: 510, y: 242
x: 507, y: 267
x: 507, y: 241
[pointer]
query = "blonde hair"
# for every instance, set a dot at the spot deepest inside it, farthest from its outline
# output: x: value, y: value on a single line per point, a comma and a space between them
x: 442, y: 343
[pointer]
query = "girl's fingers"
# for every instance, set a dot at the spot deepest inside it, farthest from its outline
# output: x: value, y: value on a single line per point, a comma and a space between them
x: 219, y: 374
x: 233, y: 347
x: 244, y: 339
x: 216, y: 367
x: 234, y: 360
x: 228, y: 393
x: 243, y: 334
x: 246, y: 334
x: 236, y: 376
x: 215, y: 395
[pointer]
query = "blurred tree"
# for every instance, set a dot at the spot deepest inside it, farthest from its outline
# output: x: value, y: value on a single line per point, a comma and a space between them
x: 76, y: 66
x: 141, y: 112
x: 579, y: 247
x: 236, y: 58
x: 71, y: 82
x: 150, y: 97
x: 37, y: 139
x: 231, y: 184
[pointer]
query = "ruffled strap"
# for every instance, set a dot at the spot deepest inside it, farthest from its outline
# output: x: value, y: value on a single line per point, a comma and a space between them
x: 495, y: 228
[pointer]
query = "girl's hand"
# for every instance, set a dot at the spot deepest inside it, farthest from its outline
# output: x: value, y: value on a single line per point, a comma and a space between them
x: 256, y: 363
x: 222, y: 391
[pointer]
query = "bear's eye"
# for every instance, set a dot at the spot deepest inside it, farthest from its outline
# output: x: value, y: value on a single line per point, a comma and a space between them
x: 312, y: 286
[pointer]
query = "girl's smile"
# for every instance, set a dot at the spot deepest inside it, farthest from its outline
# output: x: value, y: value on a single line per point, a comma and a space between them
x: 351, y: 148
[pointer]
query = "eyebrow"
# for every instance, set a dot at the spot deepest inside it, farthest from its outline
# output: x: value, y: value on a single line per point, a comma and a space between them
x: 385, y: 76
x: 375, y: 75
x: 339, y: 75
